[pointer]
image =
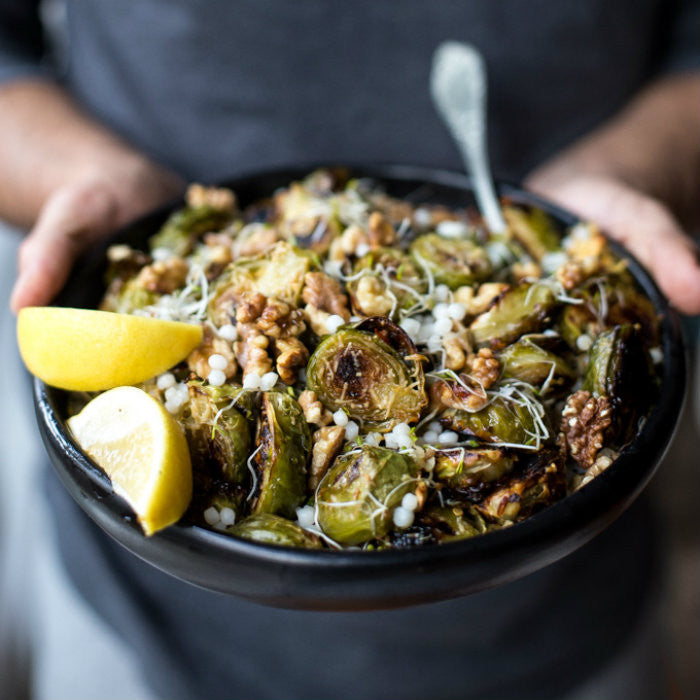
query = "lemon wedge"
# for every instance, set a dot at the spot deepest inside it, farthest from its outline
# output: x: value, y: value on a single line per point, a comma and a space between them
x: 86, y: 350
x: 142, y: 449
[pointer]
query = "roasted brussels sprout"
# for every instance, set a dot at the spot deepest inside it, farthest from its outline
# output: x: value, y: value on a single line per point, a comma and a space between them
x: 128, y: 297
x: 541, y: 482
x: 462, y: 467
x: 454, y: 262
x: 278, y: 272
x: 619, y: 368
x: 530, y: 361
x: 306, y: 218
x: 358, y: 494
x: 454, y: 522
x: 217, y: 431
x: 184, y: 227
x: 395, y: 272
x: 522, y: 309
x: 358, y: 372
x: 505, y: 420
x: 533, y: 229
x: 268, y: 528
x: 284, y: 442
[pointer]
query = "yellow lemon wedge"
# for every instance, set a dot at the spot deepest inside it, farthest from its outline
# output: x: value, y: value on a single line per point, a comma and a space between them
x: 86, y: 350
x: 142, y: 449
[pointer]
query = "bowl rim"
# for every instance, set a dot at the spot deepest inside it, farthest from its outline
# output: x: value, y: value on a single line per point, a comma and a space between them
x: 563, y: 518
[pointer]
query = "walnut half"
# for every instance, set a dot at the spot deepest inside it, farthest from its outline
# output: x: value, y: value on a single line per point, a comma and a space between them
x: 585, y: 419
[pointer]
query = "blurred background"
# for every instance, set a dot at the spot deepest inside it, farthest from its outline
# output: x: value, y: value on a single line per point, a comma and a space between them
x: 52, y: 647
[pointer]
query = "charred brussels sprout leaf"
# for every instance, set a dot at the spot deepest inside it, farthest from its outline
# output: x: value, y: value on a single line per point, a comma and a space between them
x: 284, y: 442
x: 619, y: 368
x: 274, y: 529
x: 529, y: 360
x: 454, y: 262
x: 523, y: 309
x: 503, y: 420
x: 462, y: 468
x: 540, y: 483
x: 533, y: 229
x: 358, y: 494
x: 454, y: 523
x: 185, y: 226
x: 358, y: 372
x: 217, y: 432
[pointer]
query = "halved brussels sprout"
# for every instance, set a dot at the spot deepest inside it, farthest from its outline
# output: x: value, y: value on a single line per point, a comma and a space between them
x: 128, y: 297
x: 268, y: 528
x: 454, y: 262
x: 185, y: 226
x: 358, y: 372
x: 619, y: 368
x: 501, y: 421
x: 541, y: 482
x: 307, y: 216
x: 462, y: 467
x: 284, y: 443
x: 358, y: 494
x: 278, y: 272
x: 575, y: 321
x: 533, y: 229
x: 519, y: 310
x: 530, y: 360
x: 217, y: 432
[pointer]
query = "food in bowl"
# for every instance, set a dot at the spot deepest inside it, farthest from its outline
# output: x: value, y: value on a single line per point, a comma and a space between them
x: 382, y: 374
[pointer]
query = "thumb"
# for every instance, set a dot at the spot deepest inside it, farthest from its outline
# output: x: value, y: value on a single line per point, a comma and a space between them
x: 72, y: 219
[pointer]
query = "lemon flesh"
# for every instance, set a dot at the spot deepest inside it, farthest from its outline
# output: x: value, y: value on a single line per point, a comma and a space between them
x: 86, y: 350
x: 142, y: 449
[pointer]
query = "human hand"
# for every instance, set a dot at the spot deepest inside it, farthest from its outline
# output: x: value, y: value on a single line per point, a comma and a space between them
x: 79, y: 214
x: 644, y: 225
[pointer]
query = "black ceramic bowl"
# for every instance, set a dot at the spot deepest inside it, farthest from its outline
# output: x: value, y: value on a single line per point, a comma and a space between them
x: 342, y: 580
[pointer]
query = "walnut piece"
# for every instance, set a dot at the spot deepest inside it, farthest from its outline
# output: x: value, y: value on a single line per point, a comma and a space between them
x: 250, y: 307
x: 449, y: 394
x: 381, y: 232
x: 326, y: 445
x: 280, y: 320
x: 525, y: 270
x: 371, y: 297
x: 457, y: 347
x: 163, y: 276
x: 477, y: 302
x: 215, y: 197
x: 212, y: 344
x: 325, y: 293
x: 292, y: 354
x: 251, y: 350
x: 314, y: 410
x: 345, y: 245
x: 484, y: 367
x: 585, y: 419
x: 254, y: 239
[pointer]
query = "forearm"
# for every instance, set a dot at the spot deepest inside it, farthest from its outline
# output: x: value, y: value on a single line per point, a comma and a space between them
x: 47, y: 142
x: 653, y: 146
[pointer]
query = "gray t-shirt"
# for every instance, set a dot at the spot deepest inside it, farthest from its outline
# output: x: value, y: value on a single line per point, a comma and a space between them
x: 220, y: 88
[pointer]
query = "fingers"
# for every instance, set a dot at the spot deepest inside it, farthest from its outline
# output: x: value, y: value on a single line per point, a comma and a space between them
x: 71, y: 220
x: 644, y: 226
